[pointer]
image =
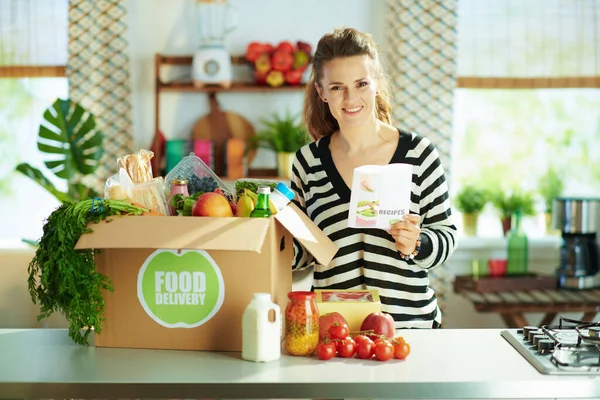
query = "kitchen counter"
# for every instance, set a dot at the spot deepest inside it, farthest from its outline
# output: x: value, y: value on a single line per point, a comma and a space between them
x: 443, y: 364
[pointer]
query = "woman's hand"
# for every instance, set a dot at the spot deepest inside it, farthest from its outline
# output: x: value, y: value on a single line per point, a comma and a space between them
x: 406, y: 233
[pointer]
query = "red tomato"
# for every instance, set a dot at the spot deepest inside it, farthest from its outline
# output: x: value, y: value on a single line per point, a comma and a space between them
x: 326, y: 351
x: 360, y: 338
x: 401, y: 350
x: 338, y: 331
x: 346, y: 348
x: 384, y: 350
x: 398, y: 340
x: 379, y: 340
x: 364, y: 349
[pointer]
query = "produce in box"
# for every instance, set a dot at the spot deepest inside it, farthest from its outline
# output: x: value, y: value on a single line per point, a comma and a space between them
x: 65, y: 280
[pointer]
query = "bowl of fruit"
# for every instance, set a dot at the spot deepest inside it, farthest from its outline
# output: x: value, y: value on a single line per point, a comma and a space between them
x: 283, y: 64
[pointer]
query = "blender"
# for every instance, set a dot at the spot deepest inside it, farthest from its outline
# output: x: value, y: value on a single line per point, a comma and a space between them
x: 211, y: 63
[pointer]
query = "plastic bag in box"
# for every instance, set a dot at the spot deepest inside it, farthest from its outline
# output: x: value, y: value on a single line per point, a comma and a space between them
x: 199, y: 176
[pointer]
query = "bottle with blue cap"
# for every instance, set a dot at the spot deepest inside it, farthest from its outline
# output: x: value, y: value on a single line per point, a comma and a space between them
x: 281, y: 196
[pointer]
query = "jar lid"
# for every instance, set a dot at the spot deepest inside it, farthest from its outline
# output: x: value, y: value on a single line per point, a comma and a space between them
x: 179, y: 182
x: 301, y: 295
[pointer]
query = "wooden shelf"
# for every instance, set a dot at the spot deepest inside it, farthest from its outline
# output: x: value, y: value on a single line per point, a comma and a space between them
x: 236, y: 87
x: 162, y: 60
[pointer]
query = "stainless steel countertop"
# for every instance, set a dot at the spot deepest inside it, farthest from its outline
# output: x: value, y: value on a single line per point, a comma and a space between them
x: 443, y: 364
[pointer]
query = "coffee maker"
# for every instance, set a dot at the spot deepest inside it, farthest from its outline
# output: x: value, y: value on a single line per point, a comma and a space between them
x: 579, y: 222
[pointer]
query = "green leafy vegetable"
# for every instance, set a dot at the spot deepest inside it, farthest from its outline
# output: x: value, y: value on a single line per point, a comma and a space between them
x: 62, y: 279
x: 252, y: 185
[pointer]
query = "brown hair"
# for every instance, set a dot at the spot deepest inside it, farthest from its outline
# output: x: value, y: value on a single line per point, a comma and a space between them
x: 345, y: 42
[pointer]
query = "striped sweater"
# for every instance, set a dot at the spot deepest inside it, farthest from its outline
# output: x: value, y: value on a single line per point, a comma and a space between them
x: 367, y: 258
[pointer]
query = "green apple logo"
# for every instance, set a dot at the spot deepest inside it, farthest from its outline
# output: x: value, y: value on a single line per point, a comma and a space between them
x: 180, y: 290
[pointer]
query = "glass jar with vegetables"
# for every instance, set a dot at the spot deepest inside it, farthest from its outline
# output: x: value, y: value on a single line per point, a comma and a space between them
x: 301, y: 324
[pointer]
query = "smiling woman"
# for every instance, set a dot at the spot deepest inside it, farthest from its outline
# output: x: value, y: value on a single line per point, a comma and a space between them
x: 347, y: 112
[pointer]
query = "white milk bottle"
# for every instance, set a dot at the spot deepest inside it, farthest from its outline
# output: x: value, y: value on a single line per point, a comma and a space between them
x: 260, y: 335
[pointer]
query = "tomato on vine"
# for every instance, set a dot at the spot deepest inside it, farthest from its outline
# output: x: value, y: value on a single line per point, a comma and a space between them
x: 346, y: 348
x: 326, y: 350
x: 401, y: 348
x: 384, y: 350
x: 339, y: 331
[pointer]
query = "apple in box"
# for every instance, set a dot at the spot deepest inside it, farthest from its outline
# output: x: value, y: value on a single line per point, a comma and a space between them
x: 380, y: 324
x: 211, y: 204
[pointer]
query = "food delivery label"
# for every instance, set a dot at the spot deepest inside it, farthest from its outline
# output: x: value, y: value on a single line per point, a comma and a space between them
x: 182, y: 290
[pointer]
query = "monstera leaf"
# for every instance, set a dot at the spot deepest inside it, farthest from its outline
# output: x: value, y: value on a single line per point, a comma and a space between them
x: 69, y: 133
x: 74, y: 145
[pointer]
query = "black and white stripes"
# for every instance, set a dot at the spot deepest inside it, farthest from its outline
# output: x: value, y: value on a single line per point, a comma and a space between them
x: 367, y: 258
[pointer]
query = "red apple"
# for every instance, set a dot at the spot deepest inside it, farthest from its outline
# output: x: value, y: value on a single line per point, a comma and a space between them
x: 282, y: 60
x: 253, y: 50
x: 212, y: 204
x: 260, y: 77
x: 380, y: 324
x: 285, y: 46
x: 293, y: 77
x: 305, y: 47
x: 326, y: 321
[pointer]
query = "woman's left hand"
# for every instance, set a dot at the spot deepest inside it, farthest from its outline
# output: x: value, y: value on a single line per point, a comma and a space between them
x: 406, y: 233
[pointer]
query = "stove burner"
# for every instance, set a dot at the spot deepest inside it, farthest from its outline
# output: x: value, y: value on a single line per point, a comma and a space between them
x: 571, y: 347
x: 575, y: 343
x: 594, y: 331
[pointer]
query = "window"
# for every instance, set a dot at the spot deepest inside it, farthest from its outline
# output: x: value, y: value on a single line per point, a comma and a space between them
x: 33, y: 55
x: 528, y: 96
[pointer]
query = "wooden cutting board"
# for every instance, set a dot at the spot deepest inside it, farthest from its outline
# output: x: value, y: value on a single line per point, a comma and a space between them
x: 218, y: 126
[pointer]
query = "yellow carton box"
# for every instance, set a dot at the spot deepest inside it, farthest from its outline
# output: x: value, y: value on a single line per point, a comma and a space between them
x: 353, y: 305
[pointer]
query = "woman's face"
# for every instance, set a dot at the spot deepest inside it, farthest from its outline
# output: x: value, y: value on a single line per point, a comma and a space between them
x: 349, y: 85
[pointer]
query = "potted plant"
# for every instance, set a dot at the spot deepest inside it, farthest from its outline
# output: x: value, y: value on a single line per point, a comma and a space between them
x: 69, y: 137
x: 551, y: 187
x: 508, y: 202
x: 283, y: 135
x: 470, y: 201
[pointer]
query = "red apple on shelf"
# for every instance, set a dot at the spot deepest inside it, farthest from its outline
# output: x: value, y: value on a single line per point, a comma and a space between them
x: 293, y: 77
x: 260, y: 77
x: 326, y: 321
x: 285, y: 46
x: 304, y: 47
x: 282, y: 60
x: 380, y: 324
x: 254, y: 50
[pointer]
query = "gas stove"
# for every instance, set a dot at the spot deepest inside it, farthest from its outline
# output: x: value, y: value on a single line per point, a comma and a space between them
x: 571, y: 347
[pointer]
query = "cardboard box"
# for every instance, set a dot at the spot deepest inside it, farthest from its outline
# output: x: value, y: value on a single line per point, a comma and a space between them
x: 184, y: 282
x: 353, y: 305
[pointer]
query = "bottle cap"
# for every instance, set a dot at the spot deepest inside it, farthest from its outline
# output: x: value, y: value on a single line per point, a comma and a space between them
x: 261, y: 296
x: 285, y: 190
x: 179, y: 182
x: 264, y: 190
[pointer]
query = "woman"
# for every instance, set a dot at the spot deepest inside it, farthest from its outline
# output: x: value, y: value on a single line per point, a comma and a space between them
x: 347, y: 112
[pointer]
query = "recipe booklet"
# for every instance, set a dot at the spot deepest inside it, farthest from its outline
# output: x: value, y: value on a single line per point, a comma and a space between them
x: 380, y: 195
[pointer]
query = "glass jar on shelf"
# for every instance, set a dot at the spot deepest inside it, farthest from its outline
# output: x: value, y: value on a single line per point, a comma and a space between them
x: 301, y: 324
